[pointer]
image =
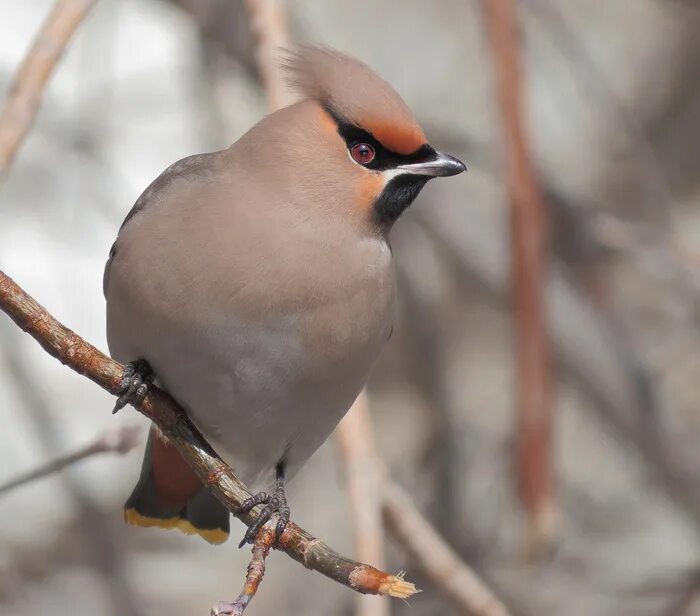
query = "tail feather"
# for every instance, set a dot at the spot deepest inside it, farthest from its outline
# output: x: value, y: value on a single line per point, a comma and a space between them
x: 197, y: 512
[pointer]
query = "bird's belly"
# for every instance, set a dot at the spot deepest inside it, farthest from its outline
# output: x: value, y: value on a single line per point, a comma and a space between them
x: 265, y: 372
x: 258, y: 393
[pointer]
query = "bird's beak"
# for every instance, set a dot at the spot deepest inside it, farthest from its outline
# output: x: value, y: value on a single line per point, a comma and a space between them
x: 441, y: 165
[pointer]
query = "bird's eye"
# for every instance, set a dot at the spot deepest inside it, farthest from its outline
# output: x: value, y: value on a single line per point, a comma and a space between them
x: 362, y: 153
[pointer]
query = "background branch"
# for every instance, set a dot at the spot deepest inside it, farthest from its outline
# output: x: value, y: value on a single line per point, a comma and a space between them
x: 94, y: 536
x: 451, y: 575
x: 27, y: 90
x: 356, y: 441
x: 529, y: 273
x: 268, y: 23
x: 121, y: 440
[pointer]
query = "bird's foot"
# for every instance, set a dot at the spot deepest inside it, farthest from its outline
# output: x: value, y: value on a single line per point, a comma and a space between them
x: 138, y: 375
x: 274, y: 503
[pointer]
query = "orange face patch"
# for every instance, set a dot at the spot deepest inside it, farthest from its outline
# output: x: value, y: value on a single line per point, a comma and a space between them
x: 402, y: 138
x: 371, y: 186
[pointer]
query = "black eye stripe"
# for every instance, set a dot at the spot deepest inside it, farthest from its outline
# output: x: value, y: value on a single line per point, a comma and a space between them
x: 384, y: 158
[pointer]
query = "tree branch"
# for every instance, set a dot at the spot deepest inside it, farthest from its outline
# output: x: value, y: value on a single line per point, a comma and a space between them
x: 450, y: 574
x: 256, y: 570
x: 529, y: 272
x: 27, y: 90
x: 121, y: 441
x: 74, y: 352
x: 268, y: 22
x: 364, y: 485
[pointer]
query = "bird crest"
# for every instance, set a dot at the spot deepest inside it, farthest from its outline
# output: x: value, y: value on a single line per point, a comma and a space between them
x: 352, y: 91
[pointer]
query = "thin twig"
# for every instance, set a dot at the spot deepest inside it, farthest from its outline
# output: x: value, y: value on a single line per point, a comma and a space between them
x: 364, y: 493
x: 268, y: 22
x: 256, y: 570
x: 450, y: 574
x: 97, y: 539
x: 529, y: 274
x: 74, y: 352
x: 28, y: 87
x: 120, y: 441
x: 420, y: 311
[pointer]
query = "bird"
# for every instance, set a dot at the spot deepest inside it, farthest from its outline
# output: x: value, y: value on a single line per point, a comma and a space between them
x: 256, y: 285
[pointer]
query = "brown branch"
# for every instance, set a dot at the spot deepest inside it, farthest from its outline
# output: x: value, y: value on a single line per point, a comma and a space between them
x: 256, y: 570
x: 97, y: 538
x: 74, y: 352
x: 267, y: 19
x: 450, y: 574
x: 121, y: 441
x: 529, y: 273
x: 27, y: 90
x: 364, y: 484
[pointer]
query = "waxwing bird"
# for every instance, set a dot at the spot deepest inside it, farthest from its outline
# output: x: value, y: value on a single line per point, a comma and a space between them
x: 256, y: 285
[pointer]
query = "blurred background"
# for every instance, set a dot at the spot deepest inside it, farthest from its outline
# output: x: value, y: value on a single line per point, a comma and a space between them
x: 612, y: 109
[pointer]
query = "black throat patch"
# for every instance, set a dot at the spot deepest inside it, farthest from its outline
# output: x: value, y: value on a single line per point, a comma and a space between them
x: 397, y: 195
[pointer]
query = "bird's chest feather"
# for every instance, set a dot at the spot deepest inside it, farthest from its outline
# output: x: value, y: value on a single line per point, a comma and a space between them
x: 266, y: 369
x: 282, y: 383
x: 327, y: 338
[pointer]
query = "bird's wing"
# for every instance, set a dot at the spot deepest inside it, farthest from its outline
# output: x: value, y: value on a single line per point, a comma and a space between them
x: 191, y: 165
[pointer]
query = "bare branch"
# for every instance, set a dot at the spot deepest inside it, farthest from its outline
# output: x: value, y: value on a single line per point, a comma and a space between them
x: 74, y: 352
x: 256, y: 570
x: 450, y: 574
x: 364, y: 492
x: 120, y: 441
x: 104, y: 552
x: 529, y: 273
x: 27, y: 89
x: 268, y: 21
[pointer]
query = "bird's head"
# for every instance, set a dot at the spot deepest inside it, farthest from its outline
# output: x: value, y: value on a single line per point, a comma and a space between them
x: 369, y: 136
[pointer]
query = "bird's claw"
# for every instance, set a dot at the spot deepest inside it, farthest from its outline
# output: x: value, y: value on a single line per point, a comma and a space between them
x: 137, y: 376
x: 274, y: 503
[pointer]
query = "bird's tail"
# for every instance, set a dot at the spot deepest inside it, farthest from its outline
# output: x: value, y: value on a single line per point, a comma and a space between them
x: 170, y: 495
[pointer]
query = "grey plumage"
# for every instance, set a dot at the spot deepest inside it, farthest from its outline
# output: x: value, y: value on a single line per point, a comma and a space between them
x: 256, y: 292
x: 256, y: 281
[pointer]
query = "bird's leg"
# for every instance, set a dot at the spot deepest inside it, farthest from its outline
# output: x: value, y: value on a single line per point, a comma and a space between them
x: 274, y: 503
x: 138, y: 375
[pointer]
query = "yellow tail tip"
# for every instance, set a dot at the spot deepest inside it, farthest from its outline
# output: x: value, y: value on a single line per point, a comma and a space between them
x: 212, y: 535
